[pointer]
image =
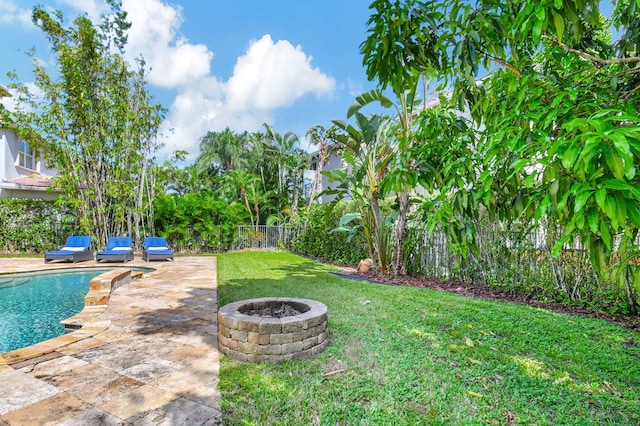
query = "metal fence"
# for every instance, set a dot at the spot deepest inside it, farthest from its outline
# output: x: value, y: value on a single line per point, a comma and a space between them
x: 264, y: 237
x: 507, y: 257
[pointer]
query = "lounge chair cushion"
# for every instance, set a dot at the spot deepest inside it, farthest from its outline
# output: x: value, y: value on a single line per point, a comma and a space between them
x: 76, y: 249
x: 157, y: 248
x: 120, y: 248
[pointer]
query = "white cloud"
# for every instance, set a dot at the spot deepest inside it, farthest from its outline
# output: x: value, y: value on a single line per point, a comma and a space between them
x: 268, y: 77
x: 10, y: 13
x: 200, y: 108
x: 154, y: 34
x: 274, y: 75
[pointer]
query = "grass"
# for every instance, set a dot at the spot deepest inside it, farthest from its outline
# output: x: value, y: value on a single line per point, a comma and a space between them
x: 408, y: 356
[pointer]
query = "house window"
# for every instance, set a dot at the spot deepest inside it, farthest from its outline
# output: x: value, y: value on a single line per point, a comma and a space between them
x: 26, y: 158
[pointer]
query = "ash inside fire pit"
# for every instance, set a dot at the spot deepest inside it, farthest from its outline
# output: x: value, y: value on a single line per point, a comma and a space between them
x: 283, y: 311
x: 273, y: 309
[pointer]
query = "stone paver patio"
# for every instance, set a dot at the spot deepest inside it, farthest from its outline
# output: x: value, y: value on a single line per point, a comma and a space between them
x: 149, y: 358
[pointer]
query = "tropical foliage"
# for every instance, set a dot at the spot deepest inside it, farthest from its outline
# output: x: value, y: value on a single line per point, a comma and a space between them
x: 197, y: 222
x: 95, y: 122
x: 316, y: 237
x: 557, y: 127
x: 34, y: 226
x: 367, y: 152
x: 237, y: 178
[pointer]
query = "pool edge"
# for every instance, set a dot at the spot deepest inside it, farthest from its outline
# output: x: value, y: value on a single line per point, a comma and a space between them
x: 85, y: 323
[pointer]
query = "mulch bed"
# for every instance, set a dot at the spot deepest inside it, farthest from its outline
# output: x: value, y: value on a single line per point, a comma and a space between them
x: 484, y: 292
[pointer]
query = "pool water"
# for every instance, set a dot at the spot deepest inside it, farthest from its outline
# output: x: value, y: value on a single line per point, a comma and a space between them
x: 33, y: 304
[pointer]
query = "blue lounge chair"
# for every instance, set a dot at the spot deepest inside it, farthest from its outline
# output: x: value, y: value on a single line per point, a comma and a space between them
x: 119, y: 249
x: 76, y: 249
x: 155, y: 248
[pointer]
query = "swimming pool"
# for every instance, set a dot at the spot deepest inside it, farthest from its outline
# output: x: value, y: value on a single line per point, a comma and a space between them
x: 32, y: 304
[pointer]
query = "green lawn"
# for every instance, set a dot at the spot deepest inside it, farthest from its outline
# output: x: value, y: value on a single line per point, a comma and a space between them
x: 408, y: 356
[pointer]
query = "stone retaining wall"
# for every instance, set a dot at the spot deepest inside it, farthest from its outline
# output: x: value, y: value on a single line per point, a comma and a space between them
x: 257, y: 339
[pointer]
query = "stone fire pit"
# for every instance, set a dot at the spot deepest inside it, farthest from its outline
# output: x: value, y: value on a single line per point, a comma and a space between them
x: 272, y: 329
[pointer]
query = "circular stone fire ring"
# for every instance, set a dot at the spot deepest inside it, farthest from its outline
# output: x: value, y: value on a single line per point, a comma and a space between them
x: 272, y: 329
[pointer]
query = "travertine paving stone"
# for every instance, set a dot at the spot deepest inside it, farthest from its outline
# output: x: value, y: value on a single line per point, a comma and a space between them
x: 179, y: 412
x: 150, y: 357
x: 47, y: 412
x: 18, y: 390
x: 94, y: 416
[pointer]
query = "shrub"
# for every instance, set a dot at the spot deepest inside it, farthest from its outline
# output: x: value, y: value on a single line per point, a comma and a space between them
x: 33, y: 226
x: 316, y: 239
x: 198, y: 222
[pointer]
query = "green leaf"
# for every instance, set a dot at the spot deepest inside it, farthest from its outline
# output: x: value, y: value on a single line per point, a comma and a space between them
x: 610, y: 211
x: 581, y: 200
x: 598, y: 255
x: 615, y: 163
x: 537, y: 30
x: 475, y: 36
x: 593, y: 220
x: 348, y: 218
x: 558, y: 21
x: 634, y: 214
x: 601, y: 196
x: 569, y: 156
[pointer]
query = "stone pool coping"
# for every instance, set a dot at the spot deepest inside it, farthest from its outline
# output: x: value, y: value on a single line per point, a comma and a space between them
x: 85, y: 323
x: 157, y: 363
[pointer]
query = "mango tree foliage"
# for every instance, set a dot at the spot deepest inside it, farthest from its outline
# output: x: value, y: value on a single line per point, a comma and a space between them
x: 95, y: 122
x: 557, y: 114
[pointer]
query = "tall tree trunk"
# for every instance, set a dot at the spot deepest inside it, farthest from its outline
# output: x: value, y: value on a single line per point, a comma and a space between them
x: 378, y: 238
x: 398, y: 265
x: 294, y: 200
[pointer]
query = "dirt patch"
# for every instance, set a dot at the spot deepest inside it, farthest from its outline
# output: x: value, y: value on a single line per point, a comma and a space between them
x: 484, y: 292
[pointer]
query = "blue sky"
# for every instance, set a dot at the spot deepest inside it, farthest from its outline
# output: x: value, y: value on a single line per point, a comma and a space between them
x: 289, y: 63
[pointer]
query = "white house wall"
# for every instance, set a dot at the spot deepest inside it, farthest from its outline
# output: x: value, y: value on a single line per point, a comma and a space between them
x: 7, y: 160
x: 9, y: 170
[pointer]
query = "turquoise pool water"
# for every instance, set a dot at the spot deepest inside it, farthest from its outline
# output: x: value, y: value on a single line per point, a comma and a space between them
x: 33, y: 304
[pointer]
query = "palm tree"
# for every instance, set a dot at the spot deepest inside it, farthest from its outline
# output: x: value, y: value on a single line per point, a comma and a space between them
x: 283, y: 145
x: 290, y: 164
x: 368, y: 152
x: 324, y: 139
x: 224, y: 150
x: 246, y: 184
x: 298, y: 162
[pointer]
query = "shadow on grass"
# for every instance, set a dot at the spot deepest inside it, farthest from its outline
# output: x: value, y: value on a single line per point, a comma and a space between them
x: 455, y: 358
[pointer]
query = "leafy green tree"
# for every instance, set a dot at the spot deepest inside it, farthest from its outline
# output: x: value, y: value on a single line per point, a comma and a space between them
x: 198, y: 222
x: 173, y: 178
x: 558, y: 116
x: 95, y: 122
